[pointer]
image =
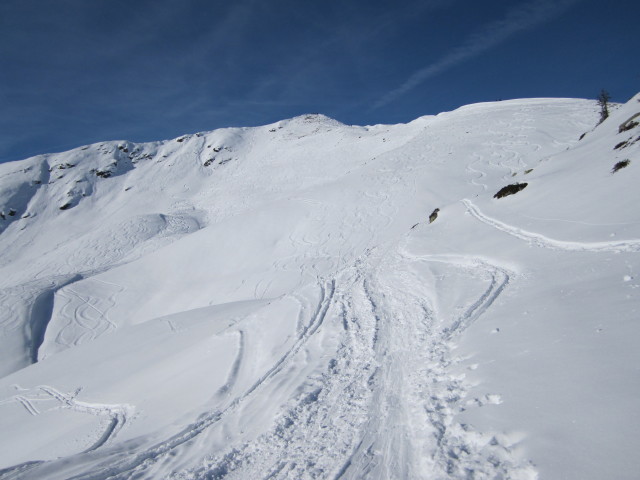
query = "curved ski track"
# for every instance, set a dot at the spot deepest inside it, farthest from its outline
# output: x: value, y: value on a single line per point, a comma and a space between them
x: 29, y: 398
x: 540, y: 240
x: 384, y: 404
x: 123, y: 464
x: 86, y: 315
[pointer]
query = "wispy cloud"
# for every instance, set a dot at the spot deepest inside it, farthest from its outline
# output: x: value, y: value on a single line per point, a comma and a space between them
x: 520, y: 18
x: 335, y: 53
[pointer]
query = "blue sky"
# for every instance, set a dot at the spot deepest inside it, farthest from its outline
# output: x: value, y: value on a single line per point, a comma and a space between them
x: 74, y: 72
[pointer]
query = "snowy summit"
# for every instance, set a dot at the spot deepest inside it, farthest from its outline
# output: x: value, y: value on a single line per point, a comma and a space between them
x: 452, y: 298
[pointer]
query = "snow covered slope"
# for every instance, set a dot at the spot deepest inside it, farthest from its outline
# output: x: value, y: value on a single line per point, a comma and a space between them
x: 274, y: 302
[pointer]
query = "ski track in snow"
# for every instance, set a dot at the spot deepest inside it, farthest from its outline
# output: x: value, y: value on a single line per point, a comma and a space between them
x: 322, y: 419
x: 101, y: 251
x: 459, y: 451
x: 130, y: 465
x: 353, y: 421
x: 87, y: 317
x: 384, y: 406
x: 479, y: 174
x: 10, y: 299
x: 382, y: 403
x: 116, y: 416
x: 540, y: 240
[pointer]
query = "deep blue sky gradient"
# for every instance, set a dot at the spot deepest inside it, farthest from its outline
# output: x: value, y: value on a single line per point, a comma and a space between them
x: 74, y: 72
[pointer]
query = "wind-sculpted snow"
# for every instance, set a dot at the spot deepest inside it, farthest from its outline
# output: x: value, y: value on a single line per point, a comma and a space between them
x: 276, y: 302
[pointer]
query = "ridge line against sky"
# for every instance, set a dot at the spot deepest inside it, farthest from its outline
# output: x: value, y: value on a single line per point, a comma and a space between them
x: 76, y: 72
x: 517, y: 19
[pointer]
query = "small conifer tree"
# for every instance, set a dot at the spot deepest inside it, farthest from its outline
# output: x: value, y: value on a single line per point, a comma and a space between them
x: 603, y: 101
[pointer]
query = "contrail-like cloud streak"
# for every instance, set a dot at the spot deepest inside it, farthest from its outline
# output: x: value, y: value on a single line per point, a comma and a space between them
x: 516, y: 20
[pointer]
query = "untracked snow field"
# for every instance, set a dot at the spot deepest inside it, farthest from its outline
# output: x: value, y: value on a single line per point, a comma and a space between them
x: 276, y: 303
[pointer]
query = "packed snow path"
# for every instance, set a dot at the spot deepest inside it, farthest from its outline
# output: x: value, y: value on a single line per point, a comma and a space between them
x: 382, y: 407
x: 286, y: 310
x: 539, y: 240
